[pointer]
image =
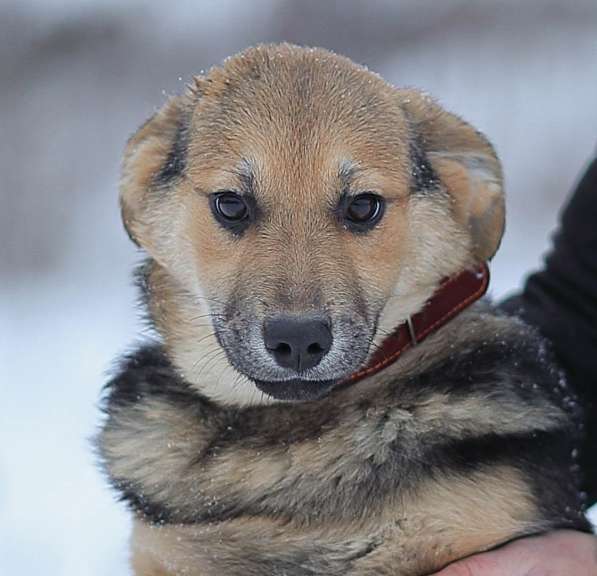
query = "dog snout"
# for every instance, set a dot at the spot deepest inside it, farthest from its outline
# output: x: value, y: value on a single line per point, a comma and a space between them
x: 297, y: 342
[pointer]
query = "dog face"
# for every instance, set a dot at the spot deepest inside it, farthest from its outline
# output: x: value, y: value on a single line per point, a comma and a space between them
x: 297, y: 208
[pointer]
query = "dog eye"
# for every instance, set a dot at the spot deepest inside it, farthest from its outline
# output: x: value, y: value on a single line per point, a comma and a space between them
x: 230, y: 206
x: 364, y: 211
x: 230, y: 209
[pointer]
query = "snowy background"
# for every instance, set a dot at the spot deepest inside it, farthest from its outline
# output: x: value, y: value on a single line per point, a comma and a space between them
x: 77, y: 77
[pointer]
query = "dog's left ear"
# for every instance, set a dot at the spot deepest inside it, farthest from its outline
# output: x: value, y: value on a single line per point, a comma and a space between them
x: 467, y: 167
x: 154, y: 159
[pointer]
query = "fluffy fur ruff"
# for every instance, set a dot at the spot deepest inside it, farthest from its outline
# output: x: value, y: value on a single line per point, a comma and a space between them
x: 464, y: 444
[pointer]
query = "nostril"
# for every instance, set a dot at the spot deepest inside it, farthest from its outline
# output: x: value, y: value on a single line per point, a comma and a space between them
x: 283, y: 349
x: 314, y: 348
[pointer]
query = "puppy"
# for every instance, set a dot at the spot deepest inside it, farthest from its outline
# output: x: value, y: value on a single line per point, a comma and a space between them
x: 325, y: 397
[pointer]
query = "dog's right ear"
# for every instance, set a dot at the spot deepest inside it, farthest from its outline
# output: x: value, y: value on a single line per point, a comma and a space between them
x: 154, y: 158
x: 467, y: 166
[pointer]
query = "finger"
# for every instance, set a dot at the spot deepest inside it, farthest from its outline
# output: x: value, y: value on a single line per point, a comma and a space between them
x: 497, y: 563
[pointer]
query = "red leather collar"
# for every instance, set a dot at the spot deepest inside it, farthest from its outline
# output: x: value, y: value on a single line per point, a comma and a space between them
x: 452, y: 297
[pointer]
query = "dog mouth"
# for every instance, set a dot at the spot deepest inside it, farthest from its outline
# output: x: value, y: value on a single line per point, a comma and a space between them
x: 296, y: 389
x: 249, y: 354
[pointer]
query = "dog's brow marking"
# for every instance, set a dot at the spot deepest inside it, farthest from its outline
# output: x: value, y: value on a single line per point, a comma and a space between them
x: 245, y: 174
x: 346, y: 173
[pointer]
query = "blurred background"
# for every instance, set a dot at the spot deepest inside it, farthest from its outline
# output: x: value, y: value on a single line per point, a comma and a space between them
x: 76, y: 79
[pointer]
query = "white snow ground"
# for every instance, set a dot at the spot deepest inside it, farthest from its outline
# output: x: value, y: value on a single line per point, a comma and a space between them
x: 78, y: 77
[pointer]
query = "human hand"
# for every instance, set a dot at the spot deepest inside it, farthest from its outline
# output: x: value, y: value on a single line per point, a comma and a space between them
x: 563, y: 553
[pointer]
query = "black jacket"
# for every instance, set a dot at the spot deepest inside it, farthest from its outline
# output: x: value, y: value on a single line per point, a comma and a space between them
x: 561, y: 300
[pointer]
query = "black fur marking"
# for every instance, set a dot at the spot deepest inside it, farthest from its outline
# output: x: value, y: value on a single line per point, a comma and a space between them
x: 176, y: 161
x: 553, y: 463
x: 149, y: 510
x: 346, y: 174
x: 247, y: 178
x: 148, y: 373
x: 424, y: 178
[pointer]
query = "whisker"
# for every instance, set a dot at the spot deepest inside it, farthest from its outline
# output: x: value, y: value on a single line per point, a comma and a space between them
x: 212, y: 359
x: 216, y: 359
x: 211, y: 334
x: 202, y: 316
x: 199, y: 317
x: 209, y: 299
x: 228, y: 366
x: 236, y: 381
x: 203, y: 357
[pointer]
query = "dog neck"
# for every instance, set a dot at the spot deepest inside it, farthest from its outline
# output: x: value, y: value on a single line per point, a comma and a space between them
x: 454, y: 295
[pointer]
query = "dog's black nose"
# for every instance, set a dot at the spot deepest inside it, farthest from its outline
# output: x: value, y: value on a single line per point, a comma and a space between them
x: 298, y: 343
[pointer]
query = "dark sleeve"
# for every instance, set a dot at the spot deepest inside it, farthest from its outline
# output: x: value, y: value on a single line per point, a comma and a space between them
x: 561, y: 301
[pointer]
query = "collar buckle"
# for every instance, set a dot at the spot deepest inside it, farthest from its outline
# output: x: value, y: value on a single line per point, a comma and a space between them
x: 411, y: 331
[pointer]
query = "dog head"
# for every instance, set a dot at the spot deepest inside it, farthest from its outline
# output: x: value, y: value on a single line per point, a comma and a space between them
x: 296, y: 208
